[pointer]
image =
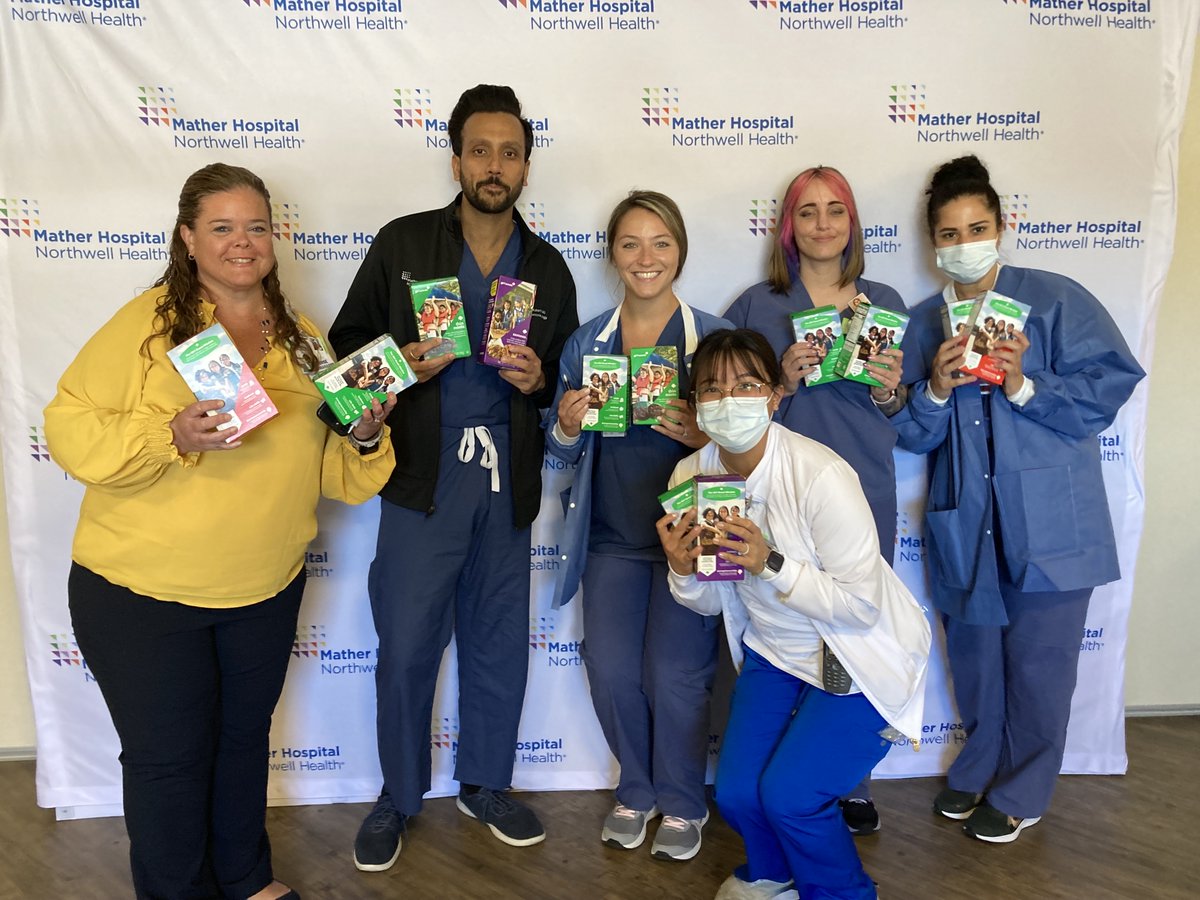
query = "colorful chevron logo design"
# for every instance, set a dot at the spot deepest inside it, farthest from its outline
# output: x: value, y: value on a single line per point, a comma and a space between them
x: 534, y: 215
x: 515, y: 3
x: 1014, y: 208
x: 659, y: 104
x: 285, y: 219
x: 444, y: 733
x: 762, y: 217
x: 156, y: 105
x: 905, y: 101
x: 37, y: 444
x: 765, y: 4
x: 64, y: 651
x: 541, y: 632
x: 412, y: 107
x: 310, y: 641
x: 18, y: 217
x: 266, y: 3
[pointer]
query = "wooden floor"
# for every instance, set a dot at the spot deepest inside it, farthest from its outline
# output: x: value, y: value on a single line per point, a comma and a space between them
x: 1136, y: 836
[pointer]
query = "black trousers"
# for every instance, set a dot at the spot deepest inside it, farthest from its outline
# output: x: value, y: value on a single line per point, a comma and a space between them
x: 191, y: 692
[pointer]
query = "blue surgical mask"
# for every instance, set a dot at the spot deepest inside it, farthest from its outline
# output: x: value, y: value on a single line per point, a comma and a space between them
x: 967, y: 263
x: 735, y: 423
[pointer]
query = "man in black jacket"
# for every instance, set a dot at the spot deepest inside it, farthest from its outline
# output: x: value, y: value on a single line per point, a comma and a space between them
x: 454, y: 531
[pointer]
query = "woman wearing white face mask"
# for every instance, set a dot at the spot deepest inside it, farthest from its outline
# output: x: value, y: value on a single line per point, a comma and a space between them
x: 1017, y: 522
x: 832, y: 648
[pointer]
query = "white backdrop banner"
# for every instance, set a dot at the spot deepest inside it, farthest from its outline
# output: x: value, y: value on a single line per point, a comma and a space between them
x: 341, y: 105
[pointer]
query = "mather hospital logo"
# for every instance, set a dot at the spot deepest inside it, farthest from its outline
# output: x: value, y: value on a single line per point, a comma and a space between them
x: 906, y: 102
x: 1014, y: 209
x: 18, y: 217
x: 541, y: 632
x: 64, y: 651
x: 659, y: 105
x: 285, y: 220
x: 156, y: 105
x: 738, y: 127
x: 573, y: 242
x: 443, y: 733
x: 413, y: 106
x: 762, y: 217
x: 310, y: 641
x: 908, y: 105
x: 38, y: 448
x: 1030, y: 231
x: 534, y: 215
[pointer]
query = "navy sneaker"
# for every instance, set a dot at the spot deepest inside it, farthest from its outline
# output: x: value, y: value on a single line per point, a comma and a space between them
x: 377, y: 844
x: 510, y: 821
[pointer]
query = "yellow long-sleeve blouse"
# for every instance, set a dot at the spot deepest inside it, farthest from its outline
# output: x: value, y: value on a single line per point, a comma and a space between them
x: 215, y: 529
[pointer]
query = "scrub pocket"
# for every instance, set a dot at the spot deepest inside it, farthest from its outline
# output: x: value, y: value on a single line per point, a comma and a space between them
x: 1037, y: 513
x: 954, y: 557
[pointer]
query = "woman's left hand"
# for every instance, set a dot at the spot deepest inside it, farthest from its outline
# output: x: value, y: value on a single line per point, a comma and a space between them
x: 678, y: 535
x: 678, y: 421
x: 1007, y: 355
x: 372, y: 418
x: 886, y: 368
x: 751, y: 551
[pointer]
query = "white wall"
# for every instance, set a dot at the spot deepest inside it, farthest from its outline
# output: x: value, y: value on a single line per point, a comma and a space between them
x: 1162, y: 666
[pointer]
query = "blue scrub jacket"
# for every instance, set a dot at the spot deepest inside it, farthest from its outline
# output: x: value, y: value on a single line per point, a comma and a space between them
x: 596, y: 337
x: 1047, y: 486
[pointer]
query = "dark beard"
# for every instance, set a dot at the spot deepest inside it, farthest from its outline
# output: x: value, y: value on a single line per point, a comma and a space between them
x: 484, y: 204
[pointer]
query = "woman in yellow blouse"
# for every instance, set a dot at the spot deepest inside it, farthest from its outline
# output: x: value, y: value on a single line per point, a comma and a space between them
x: 188, y: 560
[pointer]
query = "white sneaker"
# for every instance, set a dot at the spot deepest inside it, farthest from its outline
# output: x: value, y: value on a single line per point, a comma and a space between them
x: 626, y: 828
x: 677, y: 838
x: 733, y: 888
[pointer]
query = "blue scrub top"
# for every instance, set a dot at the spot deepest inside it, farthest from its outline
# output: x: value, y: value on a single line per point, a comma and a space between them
x: 631, y: 472
x: 472, y: 393
x: 840, y: 414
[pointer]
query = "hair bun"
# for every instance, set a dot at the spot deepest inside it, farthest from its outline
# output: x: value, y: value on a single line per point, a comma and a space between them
x: 963, y: 169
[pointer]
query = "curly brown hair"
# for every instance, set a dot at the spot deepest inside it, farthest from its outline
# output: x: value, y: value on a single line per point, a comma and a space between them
x: 177, y: 315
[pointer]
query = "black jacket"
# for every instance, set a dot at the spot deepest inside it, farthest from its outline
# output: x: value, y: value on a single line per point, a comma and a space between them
x: 429, y: 245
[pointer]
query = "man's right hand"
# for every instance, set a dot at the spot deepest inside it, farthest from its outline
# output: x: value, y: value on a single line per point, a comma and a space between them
x: 425, y: 369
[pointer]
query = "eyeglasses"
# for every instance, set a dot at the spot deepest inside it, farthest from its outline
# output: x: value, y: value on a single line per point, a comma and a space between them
x: 741, y: 389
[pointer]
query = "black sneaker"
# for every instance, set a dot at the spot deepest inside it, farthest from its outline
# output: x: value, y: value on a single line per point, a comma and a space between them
x: 989, y: 824
x: 510, y: 821
x: 860, y: 816
x: 377, y: 844
x: 956, y: 804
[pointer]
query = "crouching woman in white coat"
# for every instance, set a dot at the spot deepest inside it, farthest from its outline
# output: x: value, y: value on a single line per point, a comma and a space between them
x: 832, y: 648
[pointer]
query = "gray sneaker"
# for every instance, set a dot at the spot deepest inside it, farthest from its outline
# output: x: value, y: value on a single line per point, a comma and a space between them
x: 733, y: 888
x: 677, y: 838
x: 625, y: 828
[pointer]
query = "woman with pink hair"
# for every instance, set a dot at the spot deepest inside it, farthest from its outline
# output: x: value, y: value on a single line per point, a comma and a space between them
x: 817, y: 259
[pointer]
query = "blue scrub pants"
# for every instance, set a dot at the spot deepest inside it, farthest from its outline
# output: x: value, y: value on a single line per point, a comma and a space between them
x: 650, y: 664
x: 463, y: 570
x: 191, y: 692
x: 790, y: 751
x: 1013, y: 684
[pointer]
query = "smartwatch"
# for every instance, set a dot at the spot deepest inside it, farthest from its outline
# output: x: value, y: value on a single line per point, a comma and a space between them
x: 774, y: 561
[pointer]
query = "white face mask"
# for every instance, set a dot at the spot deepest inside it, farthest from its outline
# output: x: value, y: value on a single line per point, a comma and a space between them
x: 735, y: 423
x: 967, y: 263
